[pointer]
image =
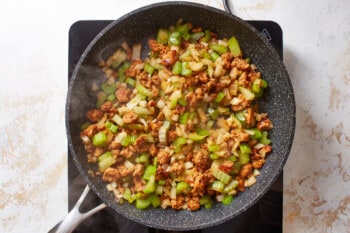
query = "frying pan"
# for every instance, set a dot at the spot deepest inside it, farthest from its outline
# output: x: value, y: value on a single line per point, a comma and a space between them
x: 137, y: 27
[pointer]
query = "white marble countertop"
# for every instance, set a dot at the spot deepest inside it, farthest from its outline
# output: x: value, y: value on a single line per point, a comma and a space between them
x: 33, y: 74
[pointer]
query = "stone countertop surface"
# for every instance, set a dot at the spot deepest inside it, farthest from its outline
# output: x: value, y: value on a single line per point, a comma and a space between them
x: 33, y: 75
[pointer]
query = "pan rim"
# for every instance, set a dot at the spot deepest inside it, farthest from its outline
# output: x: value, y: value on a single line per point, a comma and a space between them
x: 75, y: 73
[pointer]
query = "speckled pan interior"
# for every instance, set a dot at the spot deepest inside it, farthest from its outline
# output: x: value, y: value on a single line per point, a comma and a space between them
x: 142, y: 24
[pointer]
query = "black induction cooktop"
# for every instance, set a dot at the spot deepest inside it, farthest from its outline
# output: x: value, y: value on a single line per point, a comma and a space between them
x: 264, y: 216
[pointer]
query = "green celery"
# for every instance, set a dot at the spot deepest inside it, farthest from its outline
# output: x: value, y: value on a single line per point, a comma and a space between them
x: 221, y: 176
x: 141, y: 110
x: 108, y: 88
x: 213, y: 113
x: 264, y: 83
x: 175, y: 38
x: 227, y: 199
x: 110, y: 97
x: 206, y: 201
x: 220, y: 49
x: 185, y: 70
x: 105, y: 160
x: 182, y: 101
x: 150, y: 186
x: 132, y: 139
x: 240, y: 116
x: 161, y: 182
x: 182, y: 187
x: 127, y: 194
x: 117, y: 119
x: 245, y: 148
x: 143, y: 90
x: 143, y: 203
x: 254, y: 133
x: 256, y: 88
x: 163, y: 36
x: 99, y: 139
x: 126, y: 140
x: 207, y: 55
x: 178, y: 142
x: 214, y: 156
x: 130, y: 81
x: 219, y: 97
x: 231, y: 186
x: 243, y: 158
x: 233, y: 158
x: 203, y: 132
x: 248, y: 94
x: 121, y: 71
x: 104, y: 156
x: 149, y: 171
x: 214, y: 56
x: 155, y: 200
x: 264, y: 138
x: 182, y: 28
x: 184, y: 31
x: 196, y: 137
x: 177, y: 67
x: 236, y: 167
x: 196, y: 36
x: 234, y: 47
x: 217, y: 186
x: 119, y: 60
x: 143, y: 158
x: 112, y: 127
x: 214, y: 148
x: 148, y: 68
x: 183, y: 119
x: 207, y: 36
x: 186, y: 36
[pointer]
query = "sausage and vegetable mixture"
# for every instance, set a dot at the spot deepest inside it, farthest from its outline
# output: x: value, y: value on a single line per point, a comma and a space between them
x: 180, y: 128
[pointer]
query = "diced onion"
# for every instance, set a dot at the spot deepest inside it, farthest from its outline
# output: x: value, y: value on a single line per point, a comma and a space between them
x: 188, y: 165
x: 160, y: 104
x: 250, y: 181
x: 129, y: 165
x: 119, y: 138
x: 173, y: 193
x: 220, y: 197
x: 256, y: 172
x: 162, y: 134
x: 136, y: 51
x: 85, y: 139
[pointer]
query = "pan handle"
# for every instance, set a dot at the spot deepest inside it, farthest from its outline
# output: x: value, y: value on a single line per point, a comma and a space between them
x: 227, y: 6
x: 74, y: 217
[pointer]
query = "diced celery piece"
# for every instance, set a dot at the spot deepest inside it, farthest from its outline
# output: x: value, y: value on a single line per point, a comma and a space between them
x: 143, y: 203
x: 248, y: 94
x: 234, y: 47
x: 105, y: 160
x: 243, y: 158
x: 227, y: 199
x: 217, y: 186
x: 162, y: 36
x: 155, y: 200
x: 220, y: 49
x: 182, y: 187
x: 149, y: 171
x: 222, y: 176
x: 150, y: 186
x: 245, y: 148
x: 99, y: 139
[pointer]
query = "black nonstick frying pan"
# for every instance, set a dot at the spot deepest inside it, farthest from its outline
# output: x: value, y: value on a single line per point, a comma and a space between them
x: 142, y: 24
